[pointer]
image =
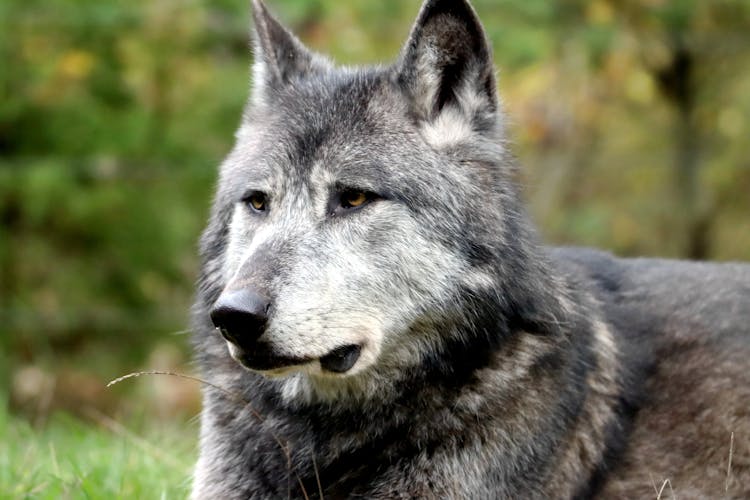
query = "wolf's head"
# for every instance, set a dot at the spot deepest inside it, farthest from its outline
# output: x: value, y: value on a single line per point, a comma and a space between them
x: 362, y: 212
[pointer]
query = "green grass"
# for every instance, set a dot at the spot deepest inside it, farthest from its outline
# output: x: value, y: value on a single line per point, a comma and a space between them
x: 70, y: 458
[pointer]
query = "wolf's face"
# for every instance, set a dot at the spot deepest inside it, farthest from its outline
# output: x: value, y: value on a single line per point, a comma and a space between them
x: 356, y: 202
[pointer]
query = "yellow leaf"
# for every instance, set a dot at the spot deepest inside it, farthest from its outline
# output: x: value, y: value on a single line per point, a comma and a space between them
x: 640, y: 87
x: 731, y: 123
x: 76, y: 64
x: 599, y: 12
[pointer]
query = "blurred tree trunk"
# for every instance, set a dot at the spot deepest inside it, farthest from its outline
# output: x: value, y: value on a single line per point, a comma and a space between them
x: 10, y: 218
x: 677, y: 84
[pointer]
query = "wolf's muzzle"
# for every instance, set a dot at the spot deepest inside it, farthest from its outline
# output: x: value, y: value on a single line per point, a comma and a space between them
x: 241, y: 316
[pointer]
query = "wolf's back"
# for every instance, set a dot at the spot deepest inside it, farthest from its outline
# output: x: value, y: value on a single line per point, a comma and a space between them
x: 683, y: 330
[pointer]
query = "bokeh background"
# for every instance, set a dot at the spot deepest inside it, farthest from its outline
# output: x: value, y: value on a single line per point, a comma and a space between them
x: 631, y: 119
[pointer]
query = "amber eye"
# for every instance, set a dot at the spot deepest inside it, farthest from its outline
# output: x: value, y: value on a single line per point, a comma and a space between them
x: 353, y: 199
x: 257, y: 201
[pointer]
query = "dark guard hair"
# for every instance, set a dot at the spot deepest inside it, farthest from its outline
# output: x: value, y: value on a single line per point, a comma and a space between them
x: 489, y: 366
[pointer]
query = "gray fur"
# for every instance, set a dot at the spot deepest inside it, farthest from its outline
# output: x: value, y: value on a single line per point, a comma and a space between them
x: 490, y: 366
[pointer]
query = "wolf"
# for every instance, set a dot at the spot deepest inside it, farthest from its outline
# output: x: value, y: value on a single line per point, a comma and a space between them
x: 377, y: 317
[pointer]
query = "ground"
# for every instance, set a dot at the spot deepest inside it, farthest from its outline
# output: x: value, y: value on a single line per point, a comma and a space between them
x: 66, y: 457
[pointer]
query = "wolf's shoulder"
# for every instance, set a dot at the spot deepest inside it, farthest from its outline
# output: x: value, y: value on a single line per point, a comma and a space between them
x: 709, y: 296
x: 605, y: 267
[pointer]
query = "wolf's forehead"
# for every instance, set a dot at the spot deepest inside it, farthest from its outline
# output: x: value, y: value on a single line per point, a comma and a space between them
x: 330, y: 121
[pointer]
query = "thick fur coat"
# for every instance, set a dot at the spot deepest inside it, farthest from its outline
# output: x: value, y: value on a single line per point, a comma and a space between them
x: 384, y: 323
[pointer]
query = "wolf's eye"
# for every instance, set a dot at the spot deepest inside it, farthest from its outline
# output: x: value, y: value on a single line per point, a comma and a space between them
x: 354, y: 199
x: 257, y: 201
x: 347, y: 200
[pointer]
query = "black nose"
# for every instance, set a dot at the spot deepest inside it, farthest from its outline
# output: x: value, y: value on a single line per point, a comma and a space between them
x: 241, y: 316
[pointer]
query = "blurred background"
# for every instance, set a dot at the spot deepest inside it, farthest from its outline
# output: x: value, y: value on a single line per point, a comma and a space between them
x: 631, y: 119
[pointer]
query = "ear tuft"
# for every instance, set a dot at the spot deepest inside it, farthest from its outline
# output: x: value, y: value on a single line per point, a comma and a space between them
x: 447, y: 61
x: 280, y: 57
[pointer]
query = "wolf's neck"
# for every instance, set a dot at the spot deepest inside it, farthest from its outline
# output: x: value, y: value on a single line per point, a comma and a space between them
x: 564, y: 386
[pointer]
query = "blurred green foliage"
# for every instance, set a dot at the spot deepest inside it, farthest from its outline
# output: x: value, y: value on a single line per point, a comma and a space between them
x: 631, y: 118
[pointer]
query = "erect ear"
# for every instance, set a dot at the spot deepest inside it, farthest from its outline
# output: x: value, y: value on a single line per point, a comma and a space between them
x: 280, y: 58
x: 447, y: 61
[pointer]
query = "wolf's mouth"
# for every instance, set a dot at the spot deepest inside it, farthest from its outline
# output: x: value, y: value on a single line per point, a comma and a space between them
x: 263, y: 358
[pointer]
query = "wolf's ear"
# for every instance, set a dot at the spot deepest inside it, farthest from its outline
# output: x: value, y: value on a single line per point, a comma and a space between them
x: 280, y: 57
x: 447, y: 61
